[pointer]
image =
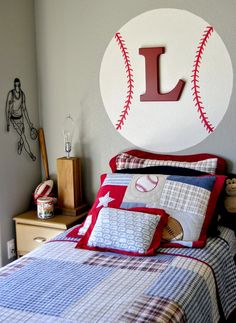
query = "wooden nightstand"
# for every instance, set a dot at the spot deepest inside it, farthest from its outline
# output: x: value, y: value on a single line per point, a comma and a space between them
x: 31, y: 232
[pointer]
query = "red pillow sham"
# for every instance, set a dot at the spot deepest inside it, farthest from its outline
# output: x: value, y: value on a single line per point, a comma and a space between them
x: 119, y: 191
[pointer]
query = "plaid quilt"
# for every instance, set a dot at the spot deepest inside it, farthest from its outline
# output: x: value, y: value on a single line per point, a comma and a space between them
x: 59, y: 283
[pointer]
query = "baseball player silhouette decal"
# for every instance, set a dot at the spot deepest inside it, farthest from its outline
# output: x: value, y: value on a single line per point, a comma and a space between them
x: 16, y: 115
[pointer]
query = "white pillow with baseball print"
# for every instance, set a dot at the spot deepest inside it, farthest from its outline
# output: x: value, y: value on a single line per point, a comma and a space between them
x: 124, y: 230
x: 134, y: 232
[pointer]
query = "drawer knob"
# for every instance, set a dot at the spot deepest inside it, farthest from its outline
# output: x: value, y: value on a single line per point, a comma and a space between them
x: 39, y: 239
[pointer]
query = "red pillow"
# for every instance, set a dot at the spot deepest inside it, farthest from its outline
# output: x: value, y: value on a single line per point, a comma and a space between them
x: 125, y: 160
x: 135, y: 232
x: 189, y: 200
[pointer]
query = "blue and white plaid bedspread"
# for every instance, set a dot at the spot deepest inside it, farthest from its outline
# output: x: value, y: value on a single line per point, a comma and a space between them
x: 58, y: 283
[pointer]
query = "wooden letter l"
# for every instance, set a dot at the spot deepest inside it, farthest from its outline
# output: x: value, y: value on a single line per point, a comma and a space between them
x: 152, y: 93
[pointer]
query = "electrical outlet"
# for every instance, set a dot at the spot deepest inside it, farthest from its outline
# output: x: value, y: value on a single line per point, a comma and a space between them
x: 11, y: 249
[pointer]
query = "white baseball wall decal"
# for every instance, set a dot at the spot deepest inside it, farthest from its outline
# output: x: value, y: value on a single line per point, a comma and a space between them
x: 194, y: 53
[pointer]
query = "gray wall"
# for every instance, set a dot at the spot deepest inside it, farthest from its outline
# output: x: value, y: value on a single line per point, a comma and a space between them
x: 18, y: 174
x: 71, y: 39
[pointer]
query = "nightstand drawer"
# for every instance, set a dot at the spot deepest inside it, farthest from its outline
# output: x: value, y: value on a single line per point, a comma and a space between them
x: 30, y: 237
x: 32, y: 232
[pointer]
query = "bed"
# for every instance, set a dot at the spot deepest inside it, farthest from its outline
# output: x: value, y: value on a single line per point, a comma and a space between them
x: 79, y: 277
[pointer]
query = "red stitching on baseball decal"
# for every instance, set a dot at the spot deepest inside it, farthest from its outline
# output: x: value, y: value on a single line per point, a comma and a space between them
x: 130, y: 81
x: 195, y: 79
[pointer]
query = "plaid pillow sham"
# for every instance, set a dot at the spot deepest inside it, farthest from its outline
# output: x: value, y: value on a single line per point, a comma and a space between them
x: 207, y: 163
